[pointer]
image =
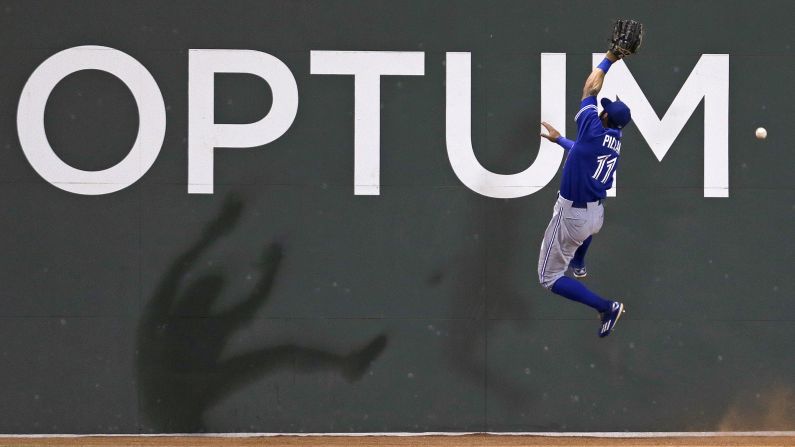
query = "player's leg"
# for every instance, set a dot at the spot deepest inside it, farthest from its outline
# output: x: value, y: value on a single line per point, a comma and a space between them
x: 548, y: 270
x: 576, y: 291
x: 565, y: 233
x: 577, y: 263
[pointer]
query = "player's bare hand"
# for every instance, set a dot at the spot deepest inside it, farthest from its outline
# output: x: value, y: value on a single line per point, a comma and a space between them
x: 552, y: 133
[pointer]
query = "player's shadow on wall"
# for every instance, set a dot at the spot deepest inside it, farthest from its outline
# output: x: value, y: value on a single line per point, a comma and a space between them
x: 180, y: 342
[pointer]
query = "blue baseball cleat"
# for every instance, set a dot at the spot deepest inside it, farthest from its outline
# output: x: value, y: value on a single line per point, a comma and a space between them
x: 579, y: 272
x: 610, y: 318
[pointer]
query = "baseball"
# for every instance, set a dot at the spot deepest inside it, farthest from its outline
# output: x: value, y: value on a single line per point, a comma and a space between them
x: 761, y: 133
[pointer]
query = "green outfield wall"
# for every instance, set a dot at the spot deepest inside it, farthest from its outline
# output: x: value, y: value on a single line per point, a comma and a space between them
x: 325, y: 216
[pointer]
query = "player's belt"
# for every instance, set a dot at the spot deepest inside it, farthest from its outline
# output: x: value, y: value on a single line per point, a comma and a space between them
x: 584, y: 205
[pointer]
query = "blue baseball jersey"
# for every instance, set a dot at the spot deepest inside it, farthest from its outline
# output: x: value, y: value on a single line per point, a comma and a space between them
x: 592, y: 161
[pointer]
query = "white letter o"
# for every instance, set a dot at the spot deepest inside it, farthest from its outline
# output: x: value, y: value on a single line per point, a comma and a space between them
x: 151, y: 115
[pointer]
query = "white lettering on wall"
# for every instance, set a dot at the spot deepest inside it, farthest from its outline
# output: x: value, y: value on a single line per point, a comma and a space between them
x: 204, y: 135
x: 459, y: 130
x: 367, y: 67
x: 708, y: 80
x: 151, y: 115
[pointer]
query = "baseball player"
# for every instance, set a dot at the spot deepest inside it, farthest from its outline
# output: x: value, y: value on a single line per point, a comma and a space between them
x: 587, y: 175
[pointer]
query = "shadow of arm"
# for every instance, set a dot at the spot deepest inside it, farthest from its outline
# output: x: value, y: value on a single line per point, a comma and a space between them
x: 166, y: 291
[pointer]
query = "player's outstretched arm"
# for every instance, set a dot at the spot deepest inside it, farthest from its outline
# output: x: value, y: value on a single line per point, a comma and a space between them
x: 593, y: 85
x: 552, y: 133
x: 626, y: 39
x: 554, y: 136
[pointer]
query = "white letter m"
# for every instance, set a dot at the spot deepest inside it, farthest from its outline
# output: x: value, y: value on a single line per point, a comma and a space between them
x: 709, y: 80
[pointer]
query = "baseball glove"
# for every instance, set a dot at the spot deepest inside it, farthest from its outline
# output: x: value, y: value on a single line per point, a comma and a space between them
x: 627, y: 37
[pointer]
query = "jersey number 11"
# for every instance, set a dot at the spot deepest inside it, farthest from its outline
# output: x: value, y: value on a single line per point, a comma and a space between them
x: 604, y: 160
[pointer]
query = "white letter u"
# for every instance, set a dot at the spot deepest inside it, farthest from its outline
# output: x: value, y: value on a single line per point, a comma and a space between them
x: 459, y: 130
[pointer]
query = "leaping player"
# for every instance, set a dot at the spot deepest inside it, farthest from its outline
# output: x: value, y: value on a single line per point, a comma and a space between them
x: 587, y: 175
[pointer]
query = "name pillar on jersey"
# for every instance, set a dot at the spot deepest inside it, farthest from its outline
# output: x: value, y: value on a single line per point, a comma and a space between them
x: 612, y: 143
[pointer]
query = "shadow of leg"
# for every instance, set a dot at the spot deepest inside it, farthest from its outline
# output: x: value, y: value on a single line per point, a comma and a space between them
x: 357, y: 362
x: 245, y: 368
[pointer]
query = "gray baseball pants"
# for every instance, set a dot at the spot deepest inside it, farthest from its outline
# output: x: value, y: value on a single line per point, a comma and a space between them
x: 569, y: 227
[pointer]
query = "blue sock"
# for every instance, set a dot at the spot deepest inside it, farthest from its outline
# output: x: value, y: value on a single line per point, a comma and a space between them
x: 578, y: 261
x: 574, y: 290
